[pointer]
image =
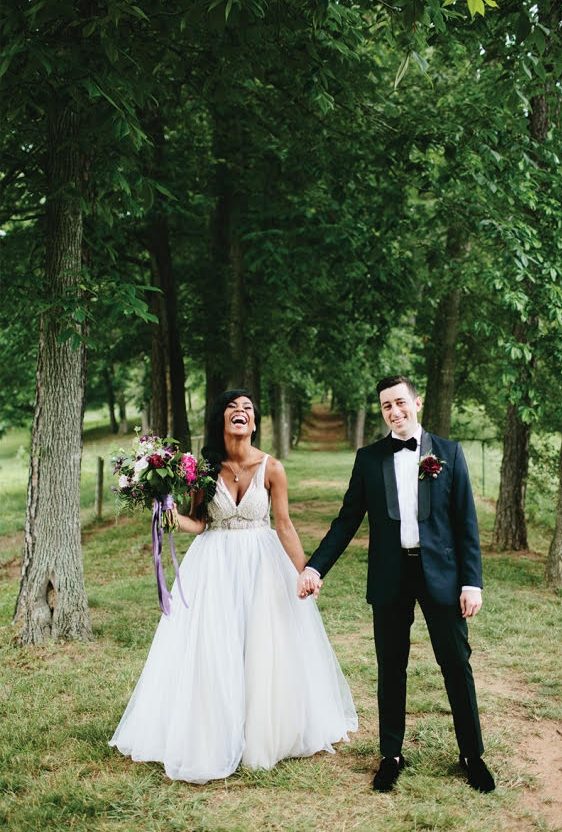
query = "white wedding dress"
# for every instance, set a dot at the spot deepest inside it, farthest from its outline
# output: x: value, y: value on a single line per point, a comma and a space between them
x: 246, y: 673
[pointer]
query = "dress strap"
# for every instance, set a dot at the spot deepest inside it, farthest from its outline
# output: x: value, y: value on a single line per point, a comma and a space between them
x: 260, y: 473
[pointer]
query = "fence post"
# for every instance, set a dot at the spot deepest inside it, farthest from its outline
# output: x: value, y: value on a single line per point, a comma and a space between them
x: 99, y: 488
x: 483, y: 468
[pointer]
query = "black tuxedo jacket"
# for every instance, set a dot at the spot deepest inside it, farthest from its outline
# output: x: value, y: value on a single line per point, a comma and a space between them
x: 450, y: 547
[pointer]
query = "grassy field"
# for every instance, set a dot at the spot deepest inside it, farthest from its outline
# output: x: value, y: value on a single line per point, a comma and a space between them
x: 61, y: 702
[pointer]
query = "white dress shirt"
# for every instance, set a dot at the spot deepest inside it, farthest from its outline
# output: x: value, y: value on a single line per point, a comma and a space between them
x: 406, y: 469
x: 407, y: 477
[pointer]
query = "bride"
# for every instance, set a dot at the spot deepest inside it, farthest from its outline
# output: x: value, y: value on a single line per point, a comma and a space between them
x: 246, y: 673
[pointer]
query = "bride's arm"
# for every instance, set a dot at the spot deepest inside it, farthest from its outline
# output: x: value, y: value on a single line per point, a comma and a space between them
x: 277, y: 484
x: 190, y: 524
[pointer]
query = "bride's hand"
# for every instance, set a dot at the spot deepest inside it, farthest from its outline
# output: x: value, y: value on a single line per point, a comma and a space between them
x: 308, y: 583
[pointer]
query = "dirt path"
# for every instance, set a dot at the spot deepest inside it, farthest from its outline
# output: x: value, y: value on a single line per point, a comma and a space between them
x: 322, y: 429
x: 537, y: 743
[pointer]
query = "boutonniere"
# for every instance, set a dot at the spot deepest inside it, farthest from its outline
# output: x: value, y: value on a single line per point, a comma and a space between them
x: 430, y: 466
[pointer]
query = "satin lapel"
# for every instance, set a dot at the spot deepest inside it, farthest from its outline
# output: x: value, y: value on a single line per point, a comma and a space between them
x: 390, y: 487
x: 424, y: 489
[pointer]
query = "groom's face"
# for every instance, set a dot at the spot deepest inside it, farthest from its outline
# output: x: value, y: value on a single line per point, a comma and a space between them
x: 400, y: 410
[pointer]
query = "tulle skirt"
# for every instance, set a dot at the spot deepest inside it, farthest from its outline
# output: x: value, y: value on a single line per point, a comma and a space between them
x: 245, y: 674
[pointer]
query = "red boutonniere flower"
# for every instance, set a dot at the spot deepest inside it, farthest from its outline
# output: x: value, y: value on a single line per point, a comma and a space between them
x: 430, y: 466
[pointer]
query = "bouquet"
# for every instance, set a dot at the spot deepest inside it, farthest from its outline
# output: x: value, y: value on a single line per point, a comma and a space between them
x: 157, y: 474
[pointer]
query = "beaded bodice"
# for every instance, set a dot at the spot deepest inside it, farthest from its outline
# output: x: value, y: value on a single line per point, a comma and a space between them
x: 251, y: 512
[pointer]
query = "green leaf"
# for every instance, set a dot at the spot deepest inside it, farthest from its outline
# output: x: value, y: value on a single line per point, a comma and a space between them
x: 164, y: 190
x: 476, y: 7
x: 421, y: 62
x: 139, y: 12
x: 539, y: 39
x: 5, y: 65
x: 402, y: 69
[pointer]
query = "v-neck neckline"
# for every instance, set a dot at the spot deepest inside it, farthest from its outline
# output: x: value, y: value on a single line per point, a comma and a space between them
x: 250, y: 484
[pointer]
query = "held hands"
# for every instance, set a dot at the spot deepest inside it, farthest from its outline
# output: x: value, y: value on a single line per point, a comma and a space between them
x: 308, y: 583
x: 471, y: 602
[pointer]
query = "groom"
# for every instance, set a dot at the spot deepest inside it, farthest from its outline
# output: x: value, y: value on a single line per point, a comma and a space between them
x: 424, y: 547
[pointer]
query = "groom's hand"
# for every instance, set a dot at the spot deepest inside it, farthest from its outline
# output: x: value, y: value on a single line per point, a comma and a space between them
x: 471, y: 602
x: 308, y: 583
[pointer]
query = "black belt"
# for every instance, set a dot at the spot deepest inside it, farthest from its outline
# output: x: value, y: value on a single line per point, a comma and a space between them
x: 413, y: 552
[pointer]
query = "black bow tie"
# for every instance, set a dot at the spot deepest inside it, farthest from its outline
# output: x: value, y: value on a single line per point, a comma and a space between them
x: 398, y: 444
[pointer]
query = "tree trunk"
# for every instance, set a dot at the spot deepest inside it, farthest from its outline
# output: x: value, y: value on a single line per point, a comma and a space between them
x: 510, y: 527
x: 123, y: 424
x: 215, y: 383
x: 553, y: 570
x: 440, y: 364
x: 174, y: 374
x: 145, y: 418
x: 226, y: 301
x: 158, y: 243
x: 158, y: 369
x: 52, y: 599
x: 108, y: 378
x: 441, y: 349
x: 282, y: 421
x: 357, y: 436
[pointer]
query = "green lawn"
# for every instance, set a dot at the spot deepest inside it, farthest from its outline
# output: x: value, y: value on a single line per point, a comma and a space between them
x: 61, y: 702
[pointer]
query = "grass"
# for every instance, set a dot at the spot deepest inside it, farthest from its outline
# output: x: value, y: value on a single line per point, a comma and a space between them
x: 61, y: 702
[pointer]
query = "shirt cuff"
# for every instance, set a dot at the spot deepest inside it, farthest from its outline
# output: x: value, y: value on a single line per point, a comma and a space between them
x: 475, y: 588
x: 312, y: 569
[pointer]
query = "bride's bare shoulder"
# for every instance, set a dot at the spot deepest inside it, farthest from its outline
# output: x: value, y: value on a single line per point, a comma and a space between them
x: 274, y: 471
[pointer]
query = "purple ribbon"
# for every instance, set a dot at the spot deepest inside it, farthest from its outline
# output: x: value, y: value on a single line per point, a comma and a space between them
x: 164, y: 595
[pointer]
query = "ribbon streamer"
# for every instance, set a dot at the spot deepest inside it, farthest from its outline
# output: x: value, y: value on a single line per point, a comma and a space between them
x: 164, y: 594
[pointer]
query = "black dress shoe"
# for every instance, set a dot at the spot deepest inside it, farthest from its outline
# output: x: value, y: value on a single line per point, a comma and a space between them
x: 388, y: 772
x: 478, y: 774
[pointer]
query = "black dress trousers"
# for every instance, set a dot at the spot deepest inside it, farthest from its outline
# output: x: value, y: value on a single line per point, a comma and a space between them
x: 448, y: 632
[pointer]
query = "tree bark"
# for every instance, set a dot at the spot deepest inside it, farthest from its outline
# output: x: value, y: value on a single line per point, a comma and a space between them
x: 440, y: 364
x: 226, y: 301
x: 215, y: 383
x: 282, y: 421
x: 158, y: 243
x: 52, y: 599
x: 358, y: 428
x: 170, y: 350
x: 158, y: 369
x: 553, y: 572
x: 108, y: 378
x: 510, y: 526
x: 123, y: 424
x: 441, y: 349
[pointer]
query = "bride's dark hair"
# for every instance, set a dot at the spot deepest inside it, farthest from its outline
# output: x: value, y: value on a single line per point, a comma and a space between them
x: 215, y: 451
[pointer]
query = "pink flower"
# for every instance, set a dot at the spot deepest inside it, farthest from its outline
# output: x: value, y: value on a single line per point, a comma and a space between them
x: 156, y: 461
x: 189, y: 468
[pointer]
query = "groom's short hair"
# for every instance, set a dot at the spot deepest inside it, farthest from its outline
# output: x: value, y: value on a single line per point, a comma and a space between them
x: 392, y: 381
